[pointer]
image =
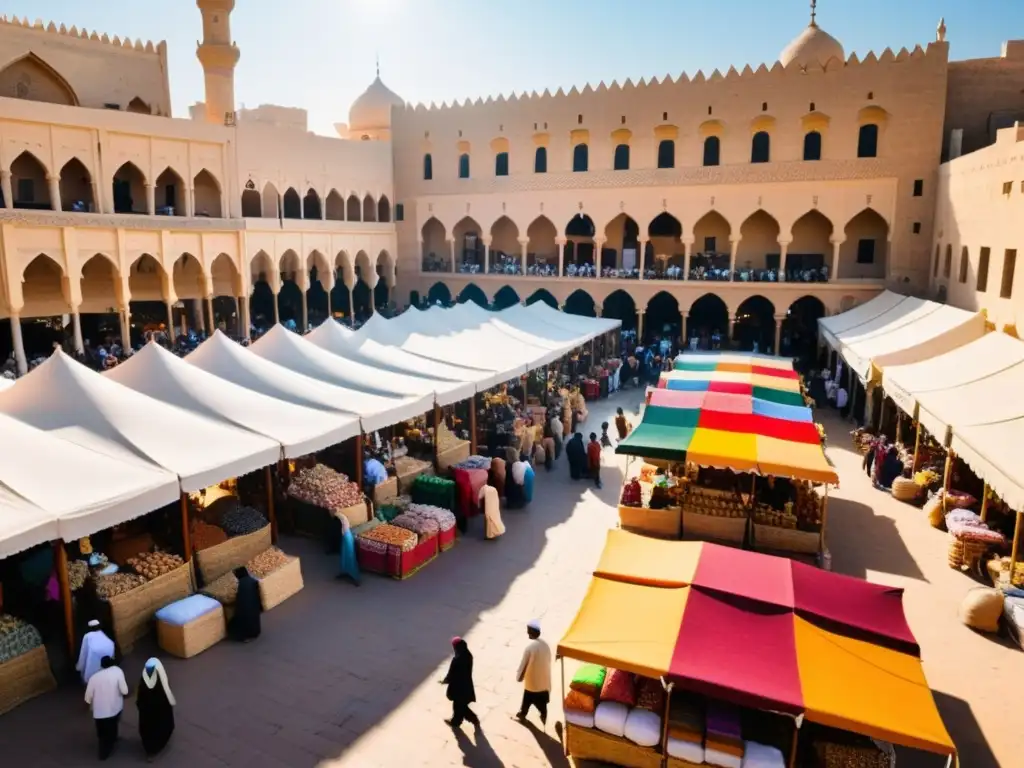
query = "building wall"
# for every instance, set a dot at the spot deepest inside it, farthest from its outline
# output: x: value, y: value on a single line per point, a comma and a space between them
x: 981, y: 206
x: 983, y: 95
x: 904, y: 93
x: 44, y: 62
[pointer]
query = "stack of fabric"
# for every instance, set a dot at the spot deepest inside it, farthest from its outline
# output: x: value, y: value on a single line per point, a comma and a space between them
x: 584, y: 690
x: 686, y: 730
x: 436, y: 491
x: 623, y: 707
x: 723, y: 744
x: 474, y: 462
x: 445, y: 519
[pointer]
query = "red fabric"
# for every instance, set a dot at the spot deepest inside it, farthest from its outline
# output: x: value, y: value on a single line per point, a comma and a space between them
x: 739, y: 652
x: 619, y: 686
x: 731, y: 387
x: 871, y: 610
x: 477, y: 480
x: 756, y: 424
x: 749, y: 575
x: 465, y: 504
x: 446, y: 539
x: 593, y: 454
x: 777, y: 372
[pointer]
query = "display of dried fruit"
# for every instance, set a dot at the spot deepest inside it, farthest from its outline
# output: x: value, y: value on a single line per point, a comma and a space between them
x: 16, y: 637
x: 632, y: 495
x: 78, y: 570
x: 153, y: 565
x: 241, y: 521
x: 266, y: 562
x: 393, y: 536
x: 205, y: 535
x: 715, y: 503
x: 322, y: 487
x: 117, y: 584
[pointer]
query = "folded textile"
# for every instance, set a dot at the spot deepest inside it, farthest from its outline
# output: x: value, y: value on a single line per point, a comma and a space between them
x: 619, y: 686
x: 579, y: 702
x: 685, y: 750
x: 643, y: 727
x: 725, y: 745
x: 610, y: 717
x: 582, y: 719
x: 589, y: 679
x: 685, y: 733
x: 723, y: 720
x: 762, y: 756
x: 721, y: 759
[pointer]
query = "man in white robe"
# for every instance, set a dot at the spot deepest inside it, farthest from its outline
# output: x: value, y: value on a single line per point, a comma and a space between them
x: 95, y: 645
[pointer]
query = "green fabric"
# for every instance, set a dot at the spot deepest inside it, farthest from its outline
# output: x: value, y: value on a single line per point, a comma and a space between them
x: 686, y: 365
x: 657, y: 441
x: 589, y: 679
x: 778, y: 396
x: 671, y: 417
x: 433, y: 490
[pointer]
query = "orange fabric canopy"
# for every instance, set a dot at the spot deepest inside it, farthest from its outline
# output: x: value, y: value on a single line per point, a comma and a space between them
x: 647, y: 561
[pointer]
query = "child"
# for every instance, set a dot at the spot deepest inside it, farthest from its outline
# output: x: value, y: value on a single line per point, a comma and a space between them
x: 605, y: 440
x: 594, y: 459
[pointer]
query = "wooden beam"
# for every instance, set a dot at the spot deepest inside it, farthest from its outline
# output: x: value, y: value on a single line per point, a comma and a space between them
x: 359, y: 461
x: 472, y: 424
x: 438, y: 416
x: 186, y: 535
x: 1015, y: 550
x: 61, y: 554
x: 271, y: 513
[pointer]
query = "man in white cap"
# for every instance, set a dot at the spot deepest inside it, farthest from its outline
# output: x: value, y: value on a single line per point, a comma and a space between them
x: 95, y: 645
x: 535, y: 674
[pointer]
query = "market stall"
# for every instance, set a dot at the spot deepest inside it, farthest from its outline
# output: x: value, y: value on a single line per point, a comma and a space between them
x: 835, y: 660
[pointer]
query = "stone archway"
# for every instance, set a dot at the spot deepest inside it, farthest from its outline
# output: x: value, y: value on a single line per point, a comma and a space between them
x: 227, y: 286
x: 369, y: 208
x: 384, y: 209
x: 799, y: 337
x: 505, y: 251
x: 619, y: 305
x: 170, y: 194
x: 147, y: 284
x: 439, y: 294
x: 469, y: 246
x: 505, y: 297
x: 579, y: 260
x: 129, y: 189
x: 708, y: 322
x: 864, y: 253
x: 666, y: 253
x: 32, y: 79
x: 662, y: 318
x: 99, y: 286
x: 335, y: 206
x: 809, y: 254
x: 291, y: 204
x: 472, y: 292
x: 29, y: 184
x: 759, y: 253
x: 289, y: 295
x: 311, y: 208
x: 353, y: 209
x: 711, y: 248
x: 580, y: 303
x: 622, y: 235
x: 544, y: 295
x: 76, y: 187
x: 206, y: 195
x: 252, y: 204
x: 265, y: 277
x: 436, y: 253
x: 271, y: 202
x: 754, y: 329
x: 542, y: 248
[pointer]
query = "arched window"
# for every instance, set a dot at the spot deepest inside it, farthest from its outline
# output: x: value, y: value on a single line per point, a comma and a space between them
x: 428, y: 167
x: 501, y: 164
x: 867, y: 141
x: 711, y: 150
x: 540, y: 160
x: 812, y: 146
x: 621, y: 162
x: 761, y: 147
x: 667, y: 154
x: 580, y: 158
x: 464, y: 166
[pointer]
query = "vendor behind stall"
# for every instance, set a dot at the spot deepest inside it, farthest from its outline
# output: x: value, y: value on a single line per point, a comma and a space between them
x: 374, y: 472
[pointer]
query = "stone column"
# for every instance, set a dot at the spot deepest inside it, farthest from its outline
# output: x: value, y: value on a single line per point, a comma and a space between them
x: 561, y: 242
x: 151, y: 200
x: 598, y: 246
x: 238, y: 316
x: 351, y: 309
x: 19, y: 343
x: 687, y: 249
x: 76, y: 319
x: 5, y: 183
x: 126, y: 328
x: 170, y: 319
x: 524, y: 242
x: 190, y: 202
x: 732, y: 330
x: 836, y: 244
x: 97, y: 198
x: 209, y: 310
x: 640, y: 326
x: 305, y: 311
x: 734, y: 244
x: 783, y: 250
x: 779, y: 319
x: 640, y: 257
x: 277, y: 309
x: 451, y: 252
x: 54, y: 182
x: 487, y: 255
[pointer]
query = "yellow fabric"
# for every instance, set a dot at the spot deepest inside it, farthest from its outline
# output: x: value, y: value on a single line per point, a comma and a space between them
x: 785, y: 458
x: 775, y: 382
x: 728, y: 450
x: 868, y: 689
x: 727, y: 376
x: 642, y: 560
x: 626, y: 626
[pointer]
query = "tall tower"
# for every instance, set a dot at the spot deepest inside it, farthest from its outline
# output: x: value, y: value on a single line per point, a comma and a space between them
x: 218, y: 54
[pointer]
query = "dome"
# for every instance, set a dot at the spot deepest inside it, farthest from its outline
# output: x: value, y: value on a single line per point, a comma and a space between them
x: 814, y: 45
x: 373, y: 108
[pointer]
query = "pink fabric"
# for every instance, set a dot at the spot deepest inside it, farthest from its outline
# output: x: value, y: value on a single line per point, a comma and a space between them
x: 477, y: 480
x: 747, y: 575
x: 728, y: 403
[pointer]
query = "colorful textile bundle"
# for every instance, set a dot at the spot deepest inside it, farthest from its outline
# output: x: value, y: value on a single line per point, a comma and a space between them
x: 686, y: 721
x: 421, y: 525
x: 650, y: 695
x: 619, y: 686
x: 589, y: 679
x: 475, y: 462
x: 445, y: 519
x: 723, y: 744
x: 437, y: 491
x: 967, y: 526
x: 579, y: 702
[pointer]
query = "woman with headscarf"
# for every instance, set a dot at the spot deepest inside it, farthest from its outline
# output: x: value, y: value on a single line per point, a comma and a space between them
x: 576, y: 453
x: 488, y: 499
x: 892, y: 468
x: 348, y: 564
x: 460, y: 685
x: 156, y: 708
x: 245, y: 624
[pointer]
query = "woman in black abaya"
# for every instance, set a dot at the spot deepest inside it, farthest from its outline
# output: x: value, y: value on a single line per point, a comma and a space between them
x: 245, y: 624
x: 156, y: 708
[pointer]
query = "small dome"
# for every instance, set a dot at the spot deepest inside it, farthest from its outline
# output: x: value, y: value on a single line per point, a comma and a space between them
x: 372, y: 110
x: 814, y: 45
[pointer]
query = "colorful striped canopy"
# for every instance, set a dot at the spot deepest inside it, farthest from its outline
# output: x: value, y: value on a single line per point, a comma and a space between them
x: 759, y: 631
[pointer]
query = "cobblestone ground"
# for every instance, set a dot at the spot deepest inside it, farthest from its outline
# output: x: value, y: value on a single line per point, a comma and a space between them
x: 349, y: 677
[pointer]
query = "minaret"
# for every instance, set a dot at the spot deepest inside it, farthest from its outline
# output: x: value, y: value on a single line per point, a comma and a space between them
x: 218, y: 54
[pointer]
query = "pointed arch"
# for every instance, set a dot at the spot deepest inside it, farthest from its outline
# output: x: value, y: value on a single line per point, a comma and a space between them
x: 311, y: 208
x: 579, y: 248
x: 271, y: 205
x: 365, y: 270
x: 580, y: 303
x: 542, y: 248
x: 544, y: 295
x: 139, y: 107
x: 263, y: 270
x: 621, y: 234
x: 99, y: 284
x: 291, y: 204
x: 147, y: 279
x: 436, y: 253
x: 189, y: 280
x: 369, y: 208
x: 43, y: 287
x: 809, y: 254
x: 864, y: 252
x: 76, y: 187
x: 225, y: 277
x: 708, y: 316
x: 386, y: 269
x: 252, y: 204
x: 129, y: 184
x: 665, y: 238
x: 505, y: 297
x: 663, y: 317
x: 353, y: 210
x: 319, y: 268
x: 335, y: 206
x: 265, y: 284
x: 473, y: 292
x: 799, y: 337
x: 439, y: 293
x: 28, y: 182
x: 207, y: 194
x: 469, y: 246
x: 384, y: 209
x: 170, y: 193
x: 619, y: 305
x: 759, y: 242
x: 506, y: 252
x: 344, y: 270
x: 755, y: 324
x: 711, y: 247
x: 29, y: 77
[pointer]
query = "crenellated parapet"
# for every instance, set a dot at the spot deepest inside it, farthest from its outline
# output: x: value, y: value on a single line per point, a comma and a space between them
x: 84, y: 34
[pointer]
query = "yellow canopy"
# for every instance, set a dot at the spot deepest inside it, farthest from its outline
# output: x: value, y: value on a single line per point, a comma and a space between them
x: 787, y: 458
x: 649, y: 562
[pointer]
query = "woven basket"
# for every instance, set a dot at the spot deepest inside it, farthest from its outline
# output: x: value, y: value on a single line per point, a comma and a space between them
x: 278, y: 586
x: 413, y: 468
x: 786, y: 539
x: 965, y: 554
x: 729, y: 529
x: 25, y: 677
x: 662, y: 523
x: 188, y: 640
x: 905, y: 489
x: 215, y: 561
x: 132, y: 611
x: 385, y: 491
x: 357, y: 514
x: 592, y: 744
x: 868, y: 755
x: 455, y: 454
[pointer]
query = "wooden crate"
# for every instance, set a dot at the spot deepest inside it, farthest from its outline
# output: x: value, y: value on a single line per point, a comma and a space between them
x: 785, y: 539
x: 357, y: 514
x: 278, y: 586
x: 732, y: 530
x: 215, y: 561
x: 663, y: 523
x: 188, y: 640
x: 24, y: 677
x: 132, y: 611
x: 455, y: 454
x: 386, y: 491
x: 592, y: 744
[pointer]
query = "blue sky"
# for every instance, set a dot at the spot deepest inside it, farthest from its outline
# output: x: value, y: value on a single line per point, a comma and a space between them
x: 319, y: 54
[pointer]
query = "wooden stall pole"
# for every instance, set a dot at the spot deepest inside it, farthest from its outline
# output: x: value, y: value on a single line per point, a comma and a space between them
x: 824, y: 520
x: 917, y: 448
x: 65, y: 595
x: 359, y: 460
x: 565, y: 736
x: 796, y: 738
x: 472, y: 424
x: 881, y: 416
x: 186, y: 535
x: 668, y: 708
x: 899, y: 426
x: 1015, y: 549
x: 946, y: 477
x: 984, y: 503
x: 437, y: 435
x: 271, y: 513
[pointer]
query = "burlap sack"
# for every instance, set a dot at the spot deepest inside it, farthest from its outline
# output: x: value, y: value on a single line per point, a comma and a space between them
x: 981, y: 609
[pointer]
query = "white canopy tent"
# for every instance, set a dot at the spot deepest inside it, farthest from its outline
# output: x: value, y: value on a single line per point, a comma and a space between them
x: 66, y: 399
x: 51, y: 488
x: 996, y: 453
x: 831, y: 327
x: 224, y: 358
x: 453, y: 383
x: 587, y: 328
x: 156, y: 372
x: 519, y: 328
x: 409, y: 396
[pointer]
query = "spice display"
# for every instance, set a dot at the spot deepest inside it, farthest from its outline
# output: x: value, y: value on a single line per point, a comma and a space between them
x: 393, y: 536
x: 708, y: 501
x: 117, y: 584
x: 267, y: 562
x: 78, y: 570
x: 422, y: 525
x: 650, y: 695
x: 152, y: 565
x: 241, y: 521
x: 205, y: 536
x: 444, y: 518
x: 926, y: 477
x: 224, y: 590
x: 16, y: 637
x: 322, y: 487
x: 632, y: 495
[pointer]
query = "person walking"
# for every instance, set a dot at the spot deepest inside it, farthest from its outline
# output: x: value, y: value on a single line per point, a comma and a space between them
x: 576, y: 455
x: 245, y: 624
x: 535, y: 674
x: 105, y: 694
x: 622, y: 425
x: 156, y: 708
x: 557, y: 428
x: 460, y: 685
x: 96, y: 646
x: 594, y: 459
